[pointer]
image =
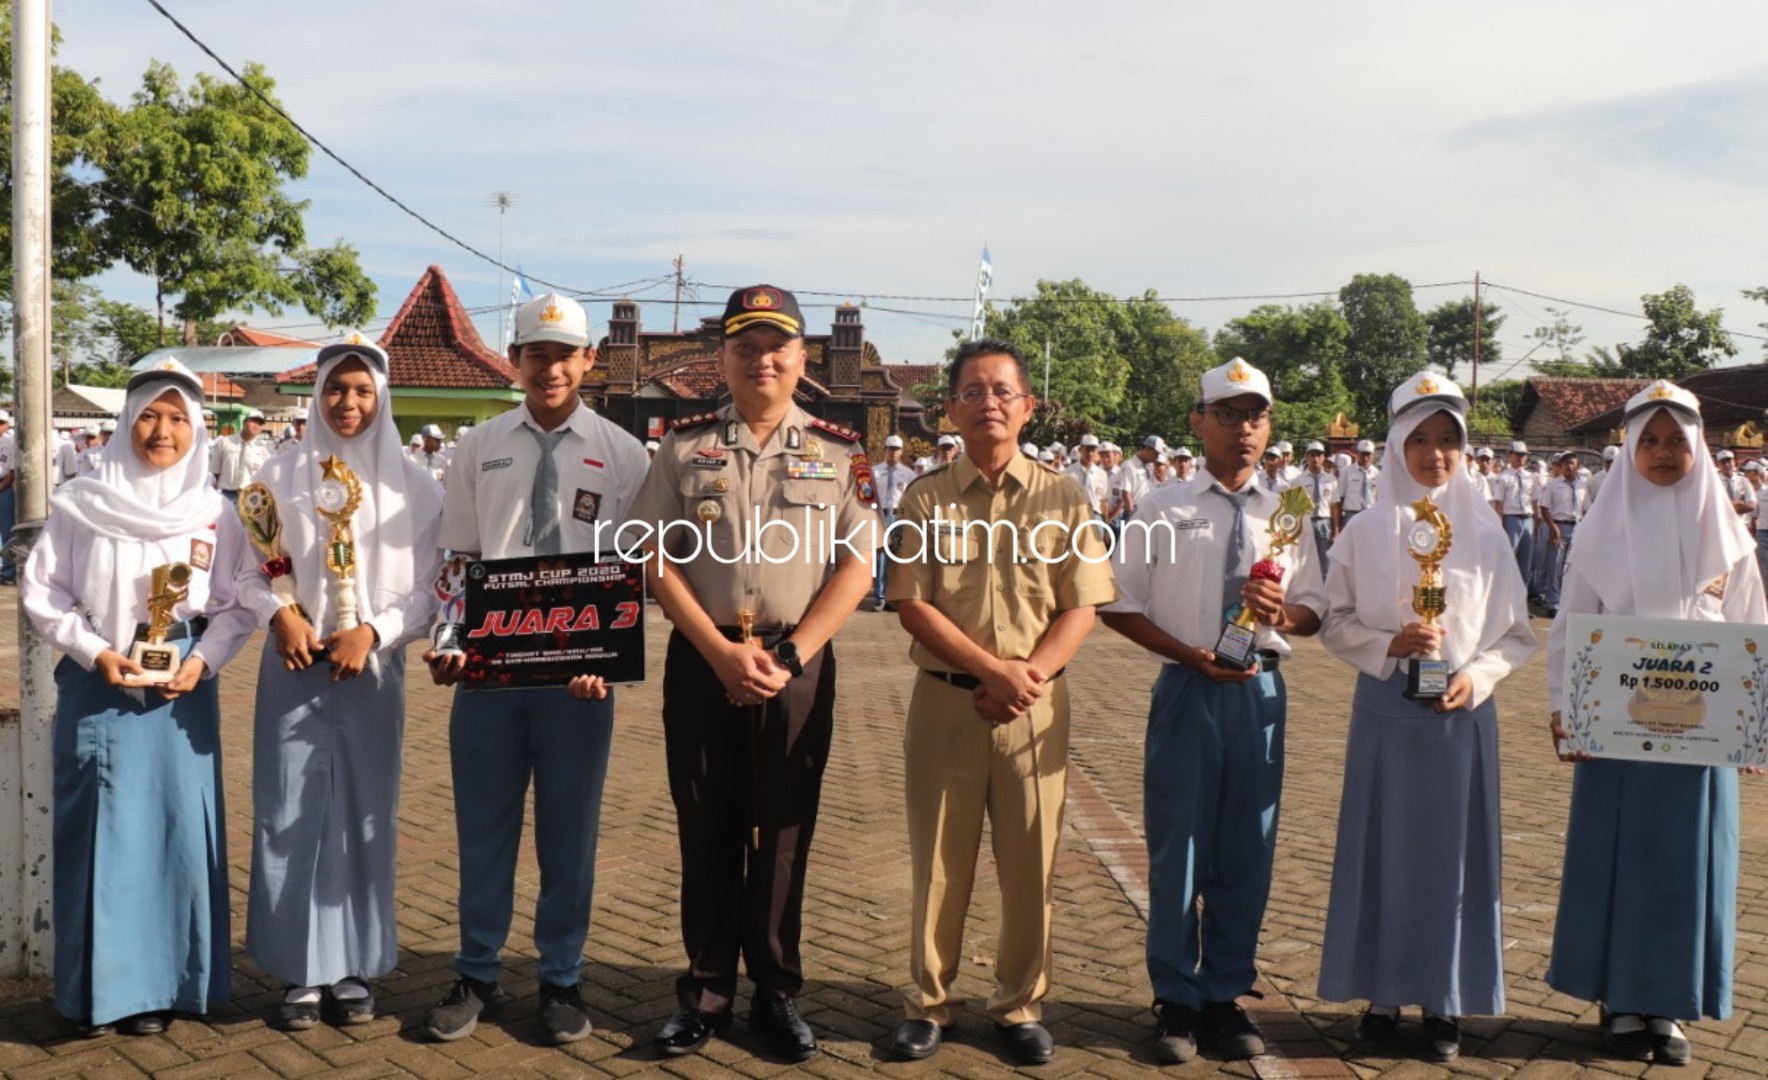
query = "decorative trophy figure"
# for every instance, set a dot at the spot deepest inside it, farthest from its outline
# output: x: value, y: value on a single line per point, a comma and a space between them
x: 168, y: 587
x: 1428, y: 540
x: 257, y: 510
x: 338, y: 495
x: 451, y: 617
x: 1239, y: 637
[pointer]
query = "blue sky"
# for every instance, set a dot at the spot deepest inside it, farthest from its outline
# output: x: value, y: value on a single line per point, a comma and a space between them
x: 1590, y: 150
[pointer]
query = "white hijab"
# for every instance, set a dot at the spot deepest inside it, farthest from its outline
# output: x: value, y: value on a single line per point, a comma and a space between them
x: 396, y: 493
x: 131, y: 505
x: 1478, y: 614
x: 1649, y: 550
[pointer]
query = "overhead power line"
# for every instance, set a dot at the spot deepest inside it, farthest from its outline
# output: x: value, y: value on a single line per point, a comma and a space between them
x: 330, y: 153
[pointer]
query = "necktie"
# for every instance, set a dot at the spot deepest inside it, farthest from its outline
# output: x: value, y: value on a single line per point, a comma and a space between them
x: 1239, y: 555
x: 543, y: 503
x: 1316, y: 477
x: 890, y: 487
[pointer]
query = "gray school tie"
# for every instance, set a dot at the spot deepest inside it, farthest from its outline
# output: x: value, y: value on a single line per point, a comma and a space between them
x: 543, y: 503
x: 1239, y: 554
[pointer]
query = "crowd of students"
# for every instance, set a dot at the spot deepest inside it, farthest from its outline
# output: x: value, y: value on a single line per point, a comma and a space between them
x: 1414, y: 917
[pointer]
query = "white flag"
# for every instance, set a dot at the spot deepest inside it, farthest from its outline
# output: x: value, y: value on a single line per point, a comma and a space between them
x: 984, y: 278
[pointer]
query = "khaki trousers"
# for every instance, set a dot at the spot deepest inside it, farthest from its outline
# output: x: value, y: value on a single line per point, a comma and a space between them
x: 957, y: 769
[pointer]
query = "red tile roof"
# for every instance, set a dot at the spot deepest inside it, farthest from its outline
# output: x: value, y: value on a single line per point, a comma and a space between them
x: 1570, y: 402
x: 431, y: 343
x: 243, y: 336
x: 909, y: 376
x: 694, y: 379
x: 216, y: 385
x: 1728, y: 396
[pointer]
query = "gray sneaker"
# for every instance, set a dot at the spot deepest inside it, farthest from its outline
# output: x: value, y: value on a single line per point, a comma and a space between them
x: 455, y: 1016
x: 562, y: 1014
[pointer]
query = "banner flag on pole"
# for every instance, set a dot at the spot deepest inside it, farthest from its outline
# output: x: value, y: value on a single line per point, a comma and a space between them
x: 984, y: 278
x: 519, y: 288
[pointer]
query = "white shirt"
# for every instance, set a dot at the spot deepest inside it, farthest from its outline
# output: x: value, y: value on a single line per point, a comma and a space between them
x: 1597, y: 479
x: 1563, y: 499
x: 1321, y: 488
x: 67, y: 461
x: 491, y: 481
x: 236, y: 461
x: 1092, y: 480
x: 1174, y: 570
x: 1737, y: 487
x: 437, y: 464
x: 8, y: 453
x: 1513, y: 489
x: 91, y: 459
x: 1356, y: 487
x: 889, y: 480
x: 1271, y: 483
x: 1131, y: 480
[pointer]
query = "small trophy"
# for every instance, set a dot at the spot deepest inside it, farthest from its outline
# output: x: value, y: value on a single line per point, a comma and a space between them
x: 1428, y: 540
x: 257, y: 510
x: 451, y: 616
x: 159, y: 661
x: 1238, y: 642
x: 338, y: 495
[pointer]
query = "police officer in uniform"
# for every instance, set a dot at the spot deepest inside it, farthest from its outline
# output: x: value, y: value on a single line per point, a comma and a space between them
x: 747, y: 724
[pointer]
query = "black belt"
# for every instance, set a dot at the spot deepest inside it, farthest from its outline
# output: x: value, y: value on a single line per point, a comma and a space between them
x: 178, y: 631
x: 1268, y: 659
x: 1565, y: 521
x: 769, y: 635
x: 971, y: 682
x: 1520, y: 515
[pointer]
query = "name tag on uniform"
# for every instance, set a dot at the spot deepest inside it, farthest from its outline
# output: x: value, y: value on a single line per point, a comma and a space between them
x: 1191, y: 523
x: 802, y: 469
x: 705, y: 462
x: 497, y: 463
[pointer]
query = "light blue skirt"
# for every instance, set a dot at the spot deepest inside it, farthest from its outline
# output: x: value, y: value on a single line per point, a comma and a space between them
x: 1414, y: 915
x: 141, y: 917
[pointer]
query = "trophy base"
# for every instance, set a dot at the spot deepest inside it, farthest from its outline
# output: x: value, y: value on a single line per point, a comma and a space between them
x: 158, y: 663
x: 1237, y: 648
x: 1427, y: 680
x: 446, y: 639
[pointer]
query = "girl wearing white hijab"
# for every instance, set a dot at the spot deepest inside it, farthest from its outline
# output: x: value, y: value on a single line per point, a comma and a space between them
x: 1647, y: 903
x: 331, y: 703
x: 141, y: 899
x: 1414, y: 912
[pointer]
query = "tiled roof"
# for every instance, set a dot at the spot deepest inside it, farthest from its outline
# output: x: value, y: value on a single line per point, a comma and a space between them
x: 431, y: 343
x: 909, y: 376
x: 1570, y: 402
x: 217, y: 385
x: 1728, y: 396
x: 243, y: 336
x: 701, y: 380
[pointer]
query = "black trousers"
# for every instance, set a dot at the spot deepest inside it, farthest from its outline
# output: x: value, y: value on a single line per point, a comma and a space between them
x: 737, y: 900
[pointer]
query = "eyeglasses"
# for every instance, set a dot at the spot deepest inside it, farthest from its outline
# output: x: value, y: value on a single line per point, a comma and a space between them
x: 976, y: 395
x: 1233, y: 418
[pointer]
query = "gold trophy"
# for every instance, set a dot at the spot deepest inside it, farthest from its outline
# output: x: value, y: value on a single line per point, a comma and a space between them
x: 159, y: 661
x: 1239, y: 638
x: 338, y: 495
x: 1428, y: 540
x: 257, y: 511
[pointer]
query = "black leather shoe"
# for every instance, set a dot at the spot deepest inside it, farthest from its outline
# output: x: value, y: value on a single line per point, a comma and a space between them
x: 147, y: 1023
x: 1377, y: 1028
x: 1626, y: 1036
x: 689, y: 1030
x: 1668, y: 1045
x: 1028, y: 1043
x: 1442, y: 1038
x: 917, y: 1039
x: 776, y: 1019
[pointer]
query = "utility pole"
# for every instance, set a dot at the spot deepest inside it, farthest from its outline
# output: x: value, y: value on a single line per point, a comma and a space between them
x: 503, y: 200
x: 678, y: 284
x: 26, y: 764
x: 1473, y: 399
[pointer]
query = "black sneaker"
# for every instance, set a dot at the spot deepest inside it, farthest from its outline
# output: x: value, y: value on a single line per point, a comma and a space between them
x: 1626, y: 1036
x: 1442, y: 1038
x: 1175, y: 1033
x: 1377, y: 1026
x: 1668, y: 1045
x: 1225, y: 1026
x: 455, y: 1016
x: 562, y: 1014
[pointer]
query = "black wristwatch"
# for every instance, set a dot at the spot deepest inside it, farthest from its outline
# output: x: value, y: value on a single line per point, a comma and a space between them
x: 787, y: 654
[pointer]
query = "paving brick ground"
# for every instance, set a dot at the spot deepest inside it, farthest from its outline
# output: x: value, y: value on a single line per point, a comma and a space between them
x: 855, y: 948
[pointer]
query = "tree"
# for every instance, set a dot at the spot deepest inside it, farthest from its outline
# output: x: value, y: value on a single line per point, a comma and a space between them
x: 1451, y: 332
x: 1557, y: 339
x: 80, y: 113
x: 1679, y: 340
x: 1491, y: 418
x: 194, y: 187
x: 1302, y: 351
x: 1387, y: 341
x: 1762, y: 295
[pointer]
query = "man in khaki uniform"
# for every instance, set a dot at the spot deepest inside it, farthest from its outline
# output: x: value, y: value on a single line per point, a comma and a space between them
x: 751, y: 500
x: 996, y: 612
